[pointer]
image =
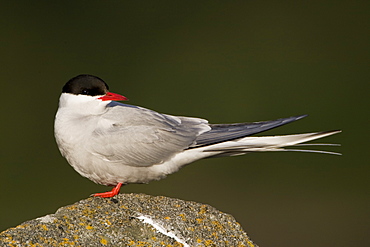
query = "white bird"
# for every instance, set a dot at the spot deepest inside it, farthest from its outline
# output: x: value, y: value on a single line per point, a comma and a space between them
x: 114, y: 144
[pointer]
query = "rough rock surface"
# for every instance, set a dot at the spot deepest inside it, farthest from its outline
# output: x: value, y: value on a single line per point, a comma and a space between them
x: 130, y: 220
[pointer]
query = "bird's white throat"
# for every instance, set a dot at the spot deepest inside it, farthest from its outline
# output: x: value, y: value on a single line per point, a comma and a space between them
x: 85, y: 104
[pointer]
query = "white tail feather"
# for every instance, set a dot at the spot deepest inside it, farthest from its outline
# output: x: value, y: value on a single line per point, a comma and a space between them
x: 311, y: 151
x: 271, y: 143
x: 319, y: 144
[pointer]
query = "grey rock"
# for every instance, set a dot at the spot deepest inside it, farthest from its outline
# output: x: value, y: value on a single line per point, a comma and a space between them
x: 130, y: 220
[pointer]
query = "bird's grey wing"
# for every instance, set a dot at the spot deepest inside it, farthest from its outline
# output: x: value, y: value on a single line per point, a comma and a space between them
x: 226, y: 132
x: 137, y: 136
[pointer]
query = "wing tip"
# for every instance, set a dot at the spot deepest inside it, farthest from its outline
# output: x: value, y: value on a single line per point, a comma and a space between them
x: 301, y: 116
x: 291, y: 119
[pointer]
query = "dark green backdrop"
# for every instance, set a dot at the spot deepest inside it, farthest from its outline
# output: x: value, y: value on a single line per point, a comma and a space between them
x: 227, y: 61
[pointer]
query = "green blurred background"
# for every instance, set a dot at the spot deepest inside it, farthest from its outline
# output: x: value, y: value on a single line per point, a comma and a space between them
x: 226, y: 61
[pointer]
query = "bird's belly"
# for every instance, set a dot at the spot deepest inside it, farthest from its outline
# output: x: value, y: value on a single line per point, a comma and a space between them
x: 111, y: 173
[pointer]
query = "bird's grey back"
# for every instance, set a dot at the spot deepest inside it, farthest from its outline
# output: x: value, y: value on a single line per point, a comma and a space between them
x: 140, y: 137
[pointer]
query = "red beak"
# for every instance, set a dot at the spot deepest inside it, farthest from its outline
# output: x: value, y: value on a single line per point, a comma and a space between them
x: 113, y: 96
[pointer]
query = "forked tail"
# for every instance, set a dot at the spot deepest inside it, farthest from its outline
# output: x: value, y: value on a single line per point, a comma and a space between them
x: 271, y: 143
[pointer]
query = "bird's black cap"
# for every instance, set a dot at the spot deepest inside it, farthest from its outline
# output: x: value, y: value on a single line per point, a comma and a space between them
x: 86, y: 85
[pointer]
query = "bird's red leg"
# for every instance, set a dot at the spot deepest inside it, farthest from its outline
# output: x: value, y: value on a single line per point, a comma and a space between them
x: 111, y: 193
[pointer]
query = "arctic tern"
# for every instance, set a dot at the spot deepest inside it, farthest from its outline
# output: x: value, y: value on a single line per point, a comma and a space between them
x: 113, y: 144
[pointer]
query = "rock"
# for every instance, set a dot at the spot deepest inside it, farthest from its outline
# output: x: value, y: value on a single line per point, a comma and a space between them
x: 130, y: 220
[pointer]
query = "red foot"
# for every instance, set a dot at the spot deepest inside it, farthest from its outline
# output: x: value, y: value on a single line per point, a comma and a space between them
x: 112, y: 193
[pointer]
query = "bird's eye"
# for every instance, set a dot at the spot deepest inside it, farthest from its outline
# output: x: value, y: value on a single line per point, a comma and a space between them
x: 85, y: 91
